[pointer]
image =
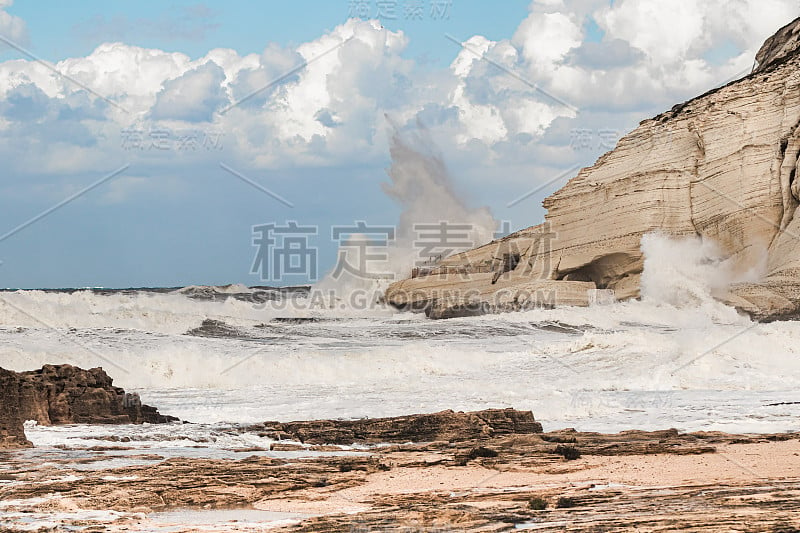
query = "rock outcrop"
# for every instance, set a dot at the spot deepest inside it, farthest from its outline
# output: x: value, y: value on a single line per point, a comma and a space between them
x: 778, y: 47
x: 442, y: 426
x: 628, y: 481
x: 12, y: 433
x: 721, y: 166
x: 64, y: 394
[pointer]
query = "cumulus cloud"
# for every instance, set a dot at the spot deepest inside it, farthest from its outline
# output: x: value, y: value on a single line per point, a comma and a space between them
x: 255, y: 79
x: 11, y: 27
x: 664, y: 35
x: 545, y: 38
x: 193, y: 97
x: 645, y: 55
x: 685, y: 30
x: 25, y: 103
x: 131, y: 75
x: 608, y: 54
x: 569, y: 65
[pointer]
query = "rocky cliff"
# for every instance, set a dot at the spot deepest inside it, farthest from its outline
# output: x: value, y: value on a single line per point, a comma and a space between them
x: 721, y: 166
x: 66, y: 394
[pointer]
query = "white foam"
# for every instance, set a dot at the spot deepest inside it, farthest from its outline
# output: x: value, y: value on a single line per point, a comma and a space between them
x: 676, y: 358
x: 690, y: 272
x: 172, y: 313
x: 422, y: 185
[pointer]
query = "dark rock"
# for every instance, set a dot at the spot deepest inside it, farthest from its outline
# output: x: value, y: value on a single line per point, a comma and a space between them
x: 442, y: 309
x: 481, y: 451
x: 559, y: 438
x: 782, y: 44
x: 537, y: 504
x: 298, y: 320
x: 12, y: 433
x: 565, y: 503
x: 570, y: 453
x: 442, y: 426
x: 215, y: 328
x: 64, y: 394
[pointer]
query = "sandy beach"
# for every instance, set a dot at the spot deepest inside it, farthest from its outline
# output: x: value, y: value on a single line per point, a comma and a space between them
x: 418, y: 266
x: 510, y: 479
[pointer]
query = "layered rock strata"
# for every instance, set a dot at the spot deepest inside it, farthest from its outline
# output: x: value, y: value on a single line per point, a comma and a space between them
x: 721, y: 166
x: 629, y: 481
x: 442, y: 426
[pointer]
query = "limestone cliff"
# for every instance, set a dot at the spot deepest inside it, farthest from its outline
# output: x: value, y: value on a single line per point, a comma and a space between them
x: 721, y: 166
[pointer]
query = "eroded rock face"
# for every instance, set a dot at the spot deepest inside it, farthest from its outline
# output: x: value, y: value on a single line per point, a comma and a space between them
x: 721, y: 166
x: 12, y: 433
x: 781, y: 45
x: 443, y: 426
x: 64, y: 394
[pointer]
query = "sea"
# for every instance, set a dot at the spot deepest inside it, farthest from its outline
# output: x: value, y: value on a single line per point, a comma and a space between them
x: 222, y: 358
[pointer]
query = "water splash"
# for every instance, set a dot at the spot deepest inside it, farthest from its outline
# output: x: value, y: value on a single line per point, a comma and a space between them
x: 422, y: 185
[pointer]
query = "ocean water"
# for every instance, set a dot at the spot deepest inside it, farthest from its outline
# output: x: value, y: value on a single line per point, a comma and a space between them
x: 691, y: 363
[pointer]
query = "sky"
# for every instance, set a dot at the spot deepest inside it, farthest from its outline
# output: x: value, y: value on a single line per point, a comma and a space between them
x: 144, y: 141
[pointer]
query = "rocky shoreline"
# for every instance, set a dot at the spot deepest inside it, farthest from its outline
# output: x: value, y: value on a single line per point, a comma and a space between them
x: 493, y: 470
x: 64, y: 394
x: 722, y: 166
x: 490, y: 470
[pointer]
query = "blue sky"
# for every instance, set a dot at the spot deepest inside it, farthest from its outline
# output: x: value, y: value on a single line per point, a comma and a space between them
x: 246, y: 26
x: 539, y: 89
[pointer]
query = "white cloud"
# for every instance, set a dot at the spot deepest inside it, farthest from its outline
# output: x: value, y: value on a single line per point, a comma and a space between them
x: 480, y: 121
x: 471, y: 52
x: 331, y: 112
x: 130, y: 74
x: 683, y: 29
x: 545, y: 38
x: 664, y: 32
x: 347, y: 80
x: 11, y: 27
x: 193, y: 97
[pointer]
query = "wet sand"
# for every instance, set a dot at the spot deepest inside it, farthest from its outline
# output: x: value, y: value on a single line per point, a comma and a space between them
x: 645, y: 481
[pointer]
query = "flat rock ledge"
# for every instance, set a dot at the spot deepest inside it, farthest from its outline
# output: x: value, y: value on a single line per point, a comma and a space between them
x: 506, y: 477
x: 64, y: 394
x: 447, y: 425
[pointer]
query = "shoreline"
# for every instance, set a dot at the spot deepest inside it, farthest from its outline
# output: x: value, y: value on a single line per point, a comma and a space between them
x: 483, y: 471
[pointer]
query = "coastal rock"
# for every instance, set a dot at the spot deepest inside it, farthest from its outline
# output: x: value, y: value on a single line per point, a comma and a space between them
x: 12, y: 433
x: 721, y: 166
x: 629, y: 481
x: 442, y: 426
x: 64, y: 394
x: 781, y: 45
x: 215, y: 329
